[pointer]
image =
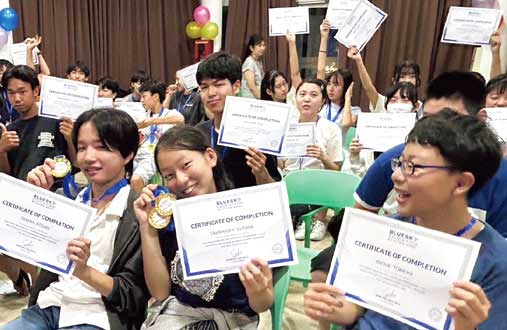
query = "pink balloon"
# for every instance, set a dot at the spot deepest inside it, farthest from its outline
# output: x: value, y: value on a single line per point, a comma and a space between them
x: 4, y: 37
x: 201, y: 15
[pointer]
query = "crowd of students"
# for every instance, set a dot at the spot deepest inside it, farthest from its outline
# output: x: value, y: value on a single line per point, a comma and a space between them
x: 448, y: 175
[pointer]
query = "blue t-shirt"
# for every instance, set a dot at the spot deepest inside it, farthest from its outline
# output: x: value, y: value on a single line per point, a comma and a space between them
x: 492, y: 197
x: 490, y: 272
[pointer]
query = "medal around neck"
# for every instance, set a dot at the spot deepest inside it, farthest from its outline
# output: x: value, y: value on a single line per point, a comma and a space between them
x: 62, y: 167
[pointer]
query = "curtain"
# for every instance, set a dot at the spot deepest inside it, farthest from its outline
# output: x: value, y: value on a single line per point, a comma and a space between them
x: 113, y: 37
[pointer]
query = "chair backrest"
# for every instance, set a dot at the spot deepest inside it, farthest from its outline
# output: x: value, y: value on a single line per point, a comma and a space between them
x: 327, y: 188
x: 281, y: 282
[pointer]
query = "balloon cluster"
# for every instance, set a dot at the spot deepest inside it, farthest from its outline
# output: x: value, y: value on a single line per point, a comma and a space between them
x: 8, y: 22
x: 201, y: 27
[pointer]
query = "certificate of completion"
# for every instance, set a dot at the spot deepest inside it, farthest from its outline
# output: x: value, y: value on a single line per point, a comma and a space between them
x: 66, y: 98
x: 135, y: 110
x: 338, y: 11
x: 188, y: 76
x: 470, y: 26
x: 294, y: 20
x: 36, y: 224
x: 18, y: 53
x: 298, y: 137
x: 399, y: 269
x: 497, y: 120
x: 219, y: 233
x: 253, y: 123
x: 361, y: 25
x: 382, y: 131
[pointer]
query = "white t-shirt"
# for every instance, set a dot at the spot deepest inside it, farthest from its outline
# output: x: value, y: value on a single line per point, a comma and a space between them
x: 147, y: 145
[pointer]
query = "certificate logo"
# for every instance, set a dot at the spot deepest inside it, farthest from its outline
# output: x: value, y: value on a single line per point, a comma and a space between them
x: 402, y: 238
x: 230, y: 203
x: 435, y: 314
x: 44, y: 202
x: 277, y: 248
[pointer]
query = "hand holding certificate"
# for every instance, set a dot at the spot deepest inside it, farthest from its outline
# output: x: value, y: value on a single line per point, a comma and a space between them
x: 135, y: 110
x: 293, y: 20
x: 299, y: 136
x: 188, y: 76
x: 361, y: 25
x: 36, y: 225
x: 219, y: 233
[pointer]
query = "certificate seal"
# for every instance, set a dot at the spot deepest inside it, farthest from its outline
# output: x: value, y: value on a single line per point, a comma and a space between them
x: 157, y: 221
x: 274, y: 143
x: 62, y: 167
x: 164, y: 204
x: 435, y: 314
x: 62, y: 259
x: 277, y: 248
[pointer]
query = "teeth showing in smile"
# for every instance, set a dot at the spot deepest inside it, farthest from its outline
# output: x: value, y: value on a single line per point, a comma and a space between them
x: 188, y: 190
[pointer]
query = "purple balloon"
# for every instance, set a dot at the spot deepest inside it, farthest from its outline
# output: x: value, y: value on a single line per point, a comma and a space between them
x: 201, y: 15
x: 4, y: 37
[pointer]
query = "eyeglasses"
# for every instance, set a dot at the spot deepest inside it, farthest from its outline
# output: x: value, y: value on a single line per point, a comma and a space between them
x: 408, y: 167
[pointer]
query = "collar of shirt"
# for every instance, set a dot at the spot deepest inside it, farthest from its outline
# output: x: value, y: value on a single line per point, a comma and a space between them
x: 117, y: 205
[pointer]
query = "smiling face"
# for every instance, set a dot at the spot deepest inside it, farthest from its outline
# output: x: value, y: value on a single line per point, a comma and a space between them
x: 215, y: 91
x: 188, y: 173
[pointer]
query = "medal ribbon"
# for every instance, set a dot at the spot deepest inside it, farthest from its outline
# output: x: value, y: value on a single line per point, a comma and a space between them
x: 463, y: 230
x: 109, y: 192
x: 153, y: 128
x: 189, y: 98
x: 212, y: 139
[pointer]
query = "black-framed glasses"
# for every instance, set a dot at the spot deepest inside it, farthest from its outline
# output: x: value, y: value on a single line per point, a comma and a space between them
x: 408, y: 167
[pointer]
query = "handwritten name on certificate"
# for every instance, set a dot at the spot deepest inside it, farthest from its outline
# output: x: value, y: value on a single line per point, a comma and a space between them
x: 338, y: 11
x: 399, y: 269
x: 188, y: 76
x: 298, y: 137
x: 382, y: 131
x: 66, y: 98
x: 253, y: 123
x: 361, y: 25
x: 497, y: 120
x: 219, y: 233
x: 295, y: 20
x: 36, y: 224
x: 135, y: 110
x: 470, y: 26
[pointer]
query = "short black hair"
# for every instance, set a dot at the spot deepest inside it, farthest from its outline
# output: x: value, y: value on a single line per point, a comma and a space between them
x: 23, y: 73
x: 459, y: 85
x: 346, y: 77
x: 154, y: 87
x: 405, y: 67
x: 268, y: 82
x: 465, y: 142
x: 497, y: 84
x: 78, y: 65
x: 116, y: 130
x: 219, y: 65
x: 6, y: 64
x: 407, y: 91
x: 140, y: 76
x: 109, y: 83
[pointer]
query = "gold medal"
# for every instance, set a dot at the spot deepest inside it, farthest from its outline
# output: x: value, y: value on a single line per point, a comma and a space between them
x: 157, y: 221
x: 164, y: 204
x: 62, y: 167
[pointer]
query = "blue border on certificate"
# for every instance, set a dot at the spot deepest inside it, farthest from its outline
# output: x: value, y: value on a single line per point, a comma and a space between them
x: 230, y: 144
x: 41, y: 111
x: 59, y: 269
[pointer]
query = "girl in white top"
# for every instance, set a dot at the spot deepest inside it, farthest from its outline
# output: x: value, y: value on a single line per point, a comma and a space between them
x: 253, y: 70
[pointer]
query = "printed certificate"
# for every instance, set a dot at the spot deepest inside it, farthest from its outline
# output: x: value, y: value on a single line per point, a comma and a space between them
x: 382, y: 131
x: 188, y: 76
x: 298, y: 137
x: 400, y: 269
x: 219, y: 233
x: 497, y: 120
x: 134, y: 109
x: 249, y: 122
x: 36, y: 224
x: 18, y: 53
x: 470, y: 26
x: 361, y: 25
x: 338, y: 11
x: 66, y: 98
x: 294, y: 20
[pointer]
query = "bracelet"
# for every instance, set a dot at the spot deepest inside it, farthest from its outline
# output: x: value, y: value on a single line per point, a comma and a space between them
x: 322, y: 51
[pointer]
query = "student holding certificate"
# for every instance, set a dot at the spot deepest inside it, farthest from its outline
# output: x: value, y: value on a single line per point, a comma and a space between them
x: 441, y: 163
x: 191, y: 167
x: 107, y: 289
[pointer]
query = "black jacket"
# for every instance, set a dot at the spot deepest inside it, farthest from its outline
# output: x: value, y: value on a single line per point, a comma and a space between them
x: 126, y: 305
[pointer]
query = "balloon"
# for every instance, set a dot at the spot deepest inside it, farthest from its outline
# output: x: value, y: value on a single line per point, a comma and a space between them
x: 201, y: 15
x: 193, y: 30
x: 8, y: 19
x: 4, y: 37
x: 209, y: 31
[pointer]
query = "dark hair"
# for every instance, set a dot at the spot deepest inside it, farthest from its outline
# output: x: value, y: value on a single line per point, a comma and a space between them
x: 497, y: 84
x: 405, y: 67
x: 465, y: 142
x: 154, y: 87
x: 23, y: 73
x: 254, y: 40
x: 219, y: 66
x: 6, y: 64
x: 462, y: 86
x: 268, y: 82
x: 186, y: 137
x: 347, y: 79
x: 116, y: 130
x: 407, y: 91
x: 78, y: 65
x: 109, y: 83
x: 319, y: 82
x: 140, y: 76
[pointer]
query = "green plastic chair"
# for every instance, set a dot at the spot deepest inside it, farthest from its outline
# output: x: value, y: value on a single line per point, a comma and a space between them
x: 351, y: 134
x: 331, y: 189
x: 281, y: 282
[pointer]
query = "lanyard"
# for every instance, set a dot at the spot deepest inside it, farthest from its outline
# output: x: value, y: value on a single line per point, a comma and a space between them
x: 463, y: 230
x: 212, y: 139
x: 189, y: 98
x: 9, y: 107
x: 153, y: 128
x: 329, y: 113
x: 109, y: 192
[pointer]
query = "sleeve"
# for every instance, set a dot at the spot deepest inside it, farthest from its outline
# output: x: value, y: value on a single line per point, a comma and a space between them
x: 380, y: 106
x: 376, y: 183
x: 334, y: 144
x: 248, y: 65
